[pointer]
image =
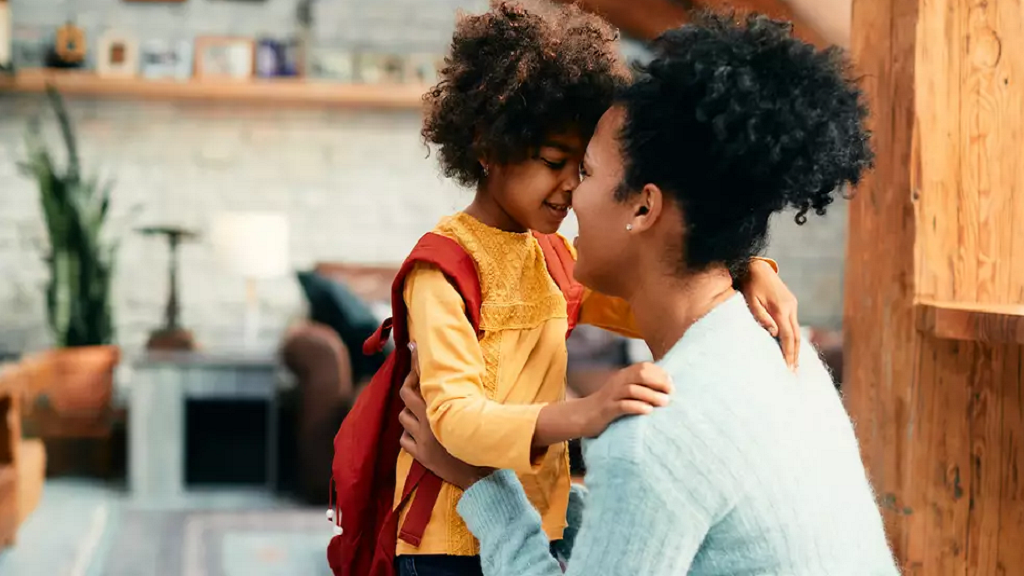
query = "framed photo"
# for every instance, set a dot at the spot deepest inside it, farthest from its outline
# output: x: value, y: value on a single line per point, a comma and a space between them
x: 378, y: 68
x: 117, y: 55
x: 423, y: 68
x: 333, y: 65
x: 166, y: 59
x: 28, y: 47
x: 225, y: 58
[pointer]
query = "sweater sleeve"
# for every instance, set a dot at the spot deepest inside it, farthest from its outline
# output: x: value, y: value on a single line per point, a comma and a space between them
x: 573, y: 519
x: 637, y: 521
x: 473, y: 428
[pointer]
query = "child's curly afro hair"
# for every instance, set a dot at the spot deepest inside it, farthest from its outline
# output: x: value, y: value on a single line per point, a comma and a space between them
x: 737, y: 120
x: 514, y: 76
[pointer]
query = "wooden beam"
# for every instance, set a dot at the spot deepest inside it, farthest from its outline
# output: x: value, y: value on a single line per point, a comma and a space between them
x: 934, y: 290
x: 647, y: 19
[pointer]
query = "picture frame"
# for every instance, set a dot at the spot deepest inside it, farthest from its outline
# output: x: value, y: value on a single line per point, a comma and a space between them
x: 166, y: 59
x: 380, y: 68
x: 225, y: 58
x: 423, y: 68
x: 332, y: 65
x: 28, y: 47
x: 117, y: 55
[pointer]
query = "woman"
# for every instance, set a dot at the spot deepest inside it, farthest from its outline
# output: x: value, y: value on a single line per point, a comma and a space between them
x: 751, y: 469
x: 517, y: 101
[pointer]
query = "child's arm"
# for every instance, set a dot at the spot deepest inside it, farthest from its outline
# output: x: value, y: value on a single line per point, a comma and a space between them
x: 767, y: 296
x: 480, y: 431
x: 473, y: 428
x: 614, y: 314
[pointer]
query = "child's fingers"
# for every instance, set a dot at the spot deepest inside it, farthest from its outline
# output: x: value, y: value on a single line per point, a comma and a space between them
x: 634, y: 408
x: 650, y: 376
x: 790, y: 340
x: 764, y: 318
x: 646, y: 395
x: 795, y: 323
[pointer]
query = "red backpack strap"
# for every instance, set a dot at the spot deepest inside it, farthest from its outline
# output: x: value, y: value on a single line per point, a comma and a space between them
x: 561, y: 264
x: 457, y: 266
x: 460, y: 269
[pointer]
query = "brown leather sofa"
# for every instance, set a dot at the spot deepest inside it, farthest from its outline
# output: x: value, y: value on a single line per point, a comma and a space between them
x: 322, y: 367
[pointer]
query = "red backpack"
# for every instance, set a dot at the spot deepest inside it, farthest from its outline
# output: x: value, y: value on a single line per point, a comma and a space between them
x: 367, y: 445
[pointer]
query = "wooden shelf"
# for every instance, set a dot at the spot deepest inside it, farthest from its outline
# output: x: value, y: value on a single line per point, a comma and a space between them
x: 994, y: 323
x: 291, y: 91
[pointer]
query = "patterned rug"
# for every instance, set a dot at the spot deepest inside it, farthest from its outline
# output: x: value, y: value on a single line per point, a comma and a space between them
x: 218, y: 543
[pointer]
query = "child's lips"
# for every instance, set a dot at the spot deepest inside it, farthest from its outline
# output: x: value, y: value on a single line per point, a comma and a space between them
x: 560, y: 210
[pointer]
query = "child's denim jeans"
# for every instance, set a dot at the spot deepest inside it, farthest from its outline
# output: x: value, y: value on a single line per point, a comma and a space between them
x: 439, y: 566
x: 446, y: 565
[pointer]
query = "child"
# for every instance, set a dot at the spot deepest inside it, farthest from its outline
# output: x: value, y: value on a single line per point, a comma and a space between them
x: 518, y: 99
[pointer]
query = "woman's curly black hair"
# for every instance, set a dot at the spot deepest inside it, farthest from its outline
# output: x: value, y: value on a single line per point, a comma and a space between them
x: 737, y: 120
x: 515, y: 76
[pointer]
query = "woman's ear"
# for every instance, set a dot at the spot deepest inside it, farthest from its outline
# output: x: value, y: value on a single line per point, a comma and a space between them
x: 647, y: 207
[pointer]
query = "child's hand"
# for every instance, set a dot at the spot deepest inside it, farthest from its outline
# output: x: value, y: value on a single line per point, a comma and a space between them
x: 635, y: 390
x: 774, y: 306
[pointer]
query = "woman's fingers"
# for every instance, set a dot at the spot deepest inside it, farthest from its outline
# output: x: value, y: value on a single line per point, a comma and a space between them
x: 409, y: 421
x: 408, y: 444
x: 413, y: 401
x: 415, y: 366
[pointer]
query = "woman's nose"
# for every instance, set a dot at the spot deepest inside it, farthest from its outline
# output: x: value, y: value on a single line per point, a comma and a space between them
x: 572, y: 180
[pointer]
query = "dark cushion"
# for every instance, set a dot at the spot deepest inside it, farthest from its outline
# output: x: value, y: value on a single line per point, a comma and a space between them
x: 335, y: 305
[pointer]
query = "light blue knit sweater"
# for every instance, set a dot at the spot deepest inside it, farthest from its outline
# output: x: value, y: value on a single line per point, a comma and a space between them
x: 751, y: 470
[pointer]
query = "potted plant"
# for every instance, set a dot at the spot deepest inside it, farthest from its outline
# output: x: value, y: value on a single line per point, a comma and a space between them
x: 80, y: 368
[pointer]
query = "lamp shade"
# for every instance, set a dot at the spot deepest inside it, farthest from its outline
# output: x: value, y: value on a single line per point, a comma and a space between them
x: 252, y: 244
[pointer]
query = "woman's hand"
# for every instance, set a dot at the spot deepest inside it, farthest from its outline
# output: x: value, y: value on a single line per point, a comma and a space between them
x: 774, y: 306
x: 419, y: 440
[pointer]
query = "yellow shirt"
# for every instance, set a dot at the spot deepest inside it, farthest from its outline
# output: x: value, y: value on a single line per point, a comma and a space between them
x: 484, y: 393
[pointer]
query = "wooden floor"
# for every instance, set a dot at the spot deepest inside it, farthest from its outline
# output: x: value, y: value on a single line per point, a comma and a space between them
x: 73, y: 531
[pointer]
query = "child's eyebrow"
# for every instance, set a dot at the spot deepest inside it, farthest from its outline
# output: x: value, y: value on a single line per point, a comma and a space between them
x: 560, y: 146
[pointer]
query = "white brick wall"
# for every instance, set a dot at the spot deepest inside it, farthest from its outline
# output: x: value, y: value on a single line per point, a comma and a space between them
x: 356, y: 185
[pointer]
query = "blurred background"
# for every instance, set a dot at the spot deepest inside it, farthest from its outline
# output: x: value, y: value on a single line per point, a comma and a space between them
x: 197, y: 227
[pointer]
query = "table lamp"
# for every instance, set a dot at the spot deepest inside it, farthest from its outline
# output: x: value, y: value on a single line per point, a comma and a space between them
x: 253, y: 245
x: 171, y: 336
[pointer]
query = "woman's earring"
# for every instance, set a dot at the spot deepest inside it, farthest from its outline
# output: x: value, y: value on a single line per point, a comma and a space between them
x: 629, y: 227
x: 487, y: 171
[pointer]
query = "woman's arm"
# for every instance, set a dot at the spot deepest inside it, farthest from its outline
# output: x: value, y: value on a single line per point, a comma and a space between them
x: 629, y: 508
x: 574, y: 520
x: 625, y: 527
